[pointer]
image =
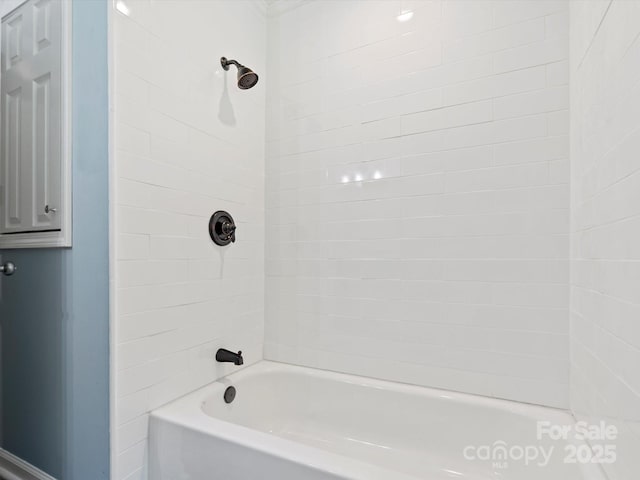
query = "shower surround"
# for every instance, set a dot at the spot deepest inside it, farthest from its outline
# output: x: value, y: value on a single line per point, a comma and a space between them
x: 399, y: 177
x: 417, y: 193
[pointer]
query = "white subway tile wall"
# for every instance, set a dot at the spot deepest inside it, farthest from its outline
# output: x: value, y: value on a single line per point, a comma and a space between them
x: 417, y: 197
x: 605, y: 222
x: 188, y: 142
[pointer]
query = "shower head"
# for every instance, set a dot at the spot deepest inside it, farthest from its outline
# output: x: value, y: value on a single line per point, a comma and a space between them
x: 247, y: 78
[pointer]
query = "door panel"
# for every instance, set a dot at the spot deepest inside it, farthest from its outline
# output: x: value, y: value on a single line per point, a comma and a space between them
x: 12, y: 143
x: 13, y: 40
x: 41, y: 148
x: 42, y: 22
x: 47, y: 114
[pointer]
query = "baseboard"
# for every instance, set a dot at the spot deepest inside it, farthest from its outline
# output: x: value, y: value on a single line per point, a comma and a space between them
x: 14, y: 468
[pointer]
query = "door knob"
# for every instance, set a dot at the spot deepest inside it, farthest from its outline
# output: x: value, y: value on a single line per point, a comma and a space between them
x: 48, y: 209
x: 8, y: 268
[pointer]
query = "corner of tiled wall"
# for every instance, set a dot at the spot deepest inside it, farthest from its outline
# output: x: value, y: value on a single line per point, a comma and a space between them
x: 605, y: 222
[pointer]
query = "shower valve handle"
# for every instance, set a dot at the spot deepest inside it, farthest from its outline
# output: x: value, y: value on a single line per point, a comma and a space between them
x: 228, y: 228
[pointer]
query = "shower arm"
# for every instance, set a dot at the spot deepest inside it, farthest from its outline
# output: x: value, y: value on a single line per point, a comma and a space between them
x: 226, y: 63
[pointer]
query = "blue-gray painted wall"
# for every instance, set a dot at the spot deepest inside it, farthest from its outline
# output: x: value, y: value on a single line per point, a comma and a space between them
x: 54, y: 313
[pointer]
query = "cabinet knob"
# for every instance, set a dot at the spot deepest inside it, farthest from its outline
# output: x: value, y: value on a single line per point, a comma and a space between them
x: 48, y: 209
x: 8, y: 268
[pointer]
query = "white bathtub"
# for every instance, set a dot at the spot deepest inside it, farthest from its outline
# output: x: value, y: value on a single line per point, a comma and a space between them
x: 295, y: 423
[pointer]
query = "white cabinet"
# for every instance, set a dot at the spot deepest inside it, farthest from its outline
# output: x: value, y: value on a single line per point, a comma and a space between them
x: 35, y: 163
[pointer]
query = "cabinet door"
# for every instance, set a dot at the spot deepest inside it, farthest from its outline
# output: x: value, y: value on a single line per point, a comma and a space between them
x: 32, y: 119
x: 13, y: 124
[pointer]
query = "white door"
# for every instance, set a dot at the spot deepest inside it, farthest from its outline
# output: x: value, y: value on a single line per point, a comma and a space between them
x: 31, y: 127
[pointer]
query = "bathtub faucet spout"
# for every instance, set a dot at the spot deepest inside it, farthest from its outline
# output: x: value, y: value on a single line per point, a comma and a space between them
x: 226, y: 356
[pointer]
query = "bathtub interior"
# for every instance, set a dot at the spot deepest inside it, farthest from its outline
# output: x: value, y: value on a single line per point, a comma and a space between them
x: 416, y: 431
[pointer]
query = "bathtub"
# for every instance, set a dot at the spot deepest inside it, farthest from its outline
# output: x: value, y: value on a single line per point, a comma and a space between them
x: 295, y: 423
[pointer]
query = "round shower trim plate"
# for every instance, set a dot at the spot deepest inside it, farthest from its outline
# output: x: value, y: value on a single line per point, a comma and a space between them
x: 222, y: 228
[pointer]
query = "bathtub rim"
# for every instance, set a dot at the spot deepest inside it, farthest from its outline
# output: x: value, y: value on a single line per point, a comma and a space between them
x: 188, y: 412
x: 202, y: 394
